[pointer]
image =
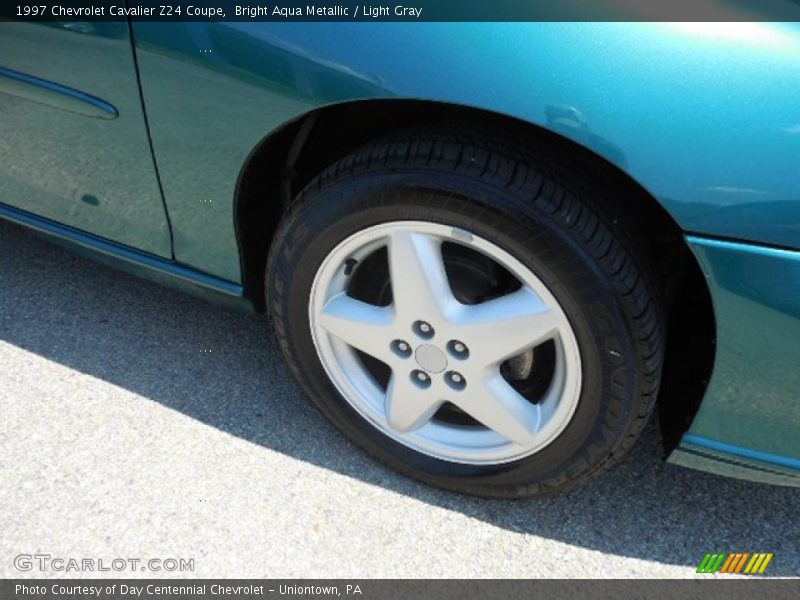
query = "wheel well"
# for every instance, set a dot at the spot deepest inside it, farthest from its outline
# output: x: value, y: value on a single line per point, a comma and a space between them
x: 286, y: 160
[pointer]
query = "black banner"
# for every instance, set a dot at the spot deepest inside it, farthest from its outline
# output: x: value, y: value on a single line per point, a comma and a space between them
x: 409, y: 11
x: 711, y: 588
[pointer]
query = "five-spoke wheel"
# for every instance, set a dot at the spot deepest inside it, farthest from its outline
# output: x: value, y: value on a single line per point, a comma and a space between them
x: 467, y: 317
x: 440, y: 351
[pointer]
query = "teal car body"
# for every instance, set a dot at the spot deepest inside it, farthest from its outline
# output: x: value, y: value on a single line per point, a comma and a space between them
x: 132, y: 141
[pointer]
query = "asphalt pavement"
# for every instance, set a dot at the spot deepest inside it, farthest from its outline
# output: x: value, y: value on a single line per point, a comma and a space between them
x: 137, y: 422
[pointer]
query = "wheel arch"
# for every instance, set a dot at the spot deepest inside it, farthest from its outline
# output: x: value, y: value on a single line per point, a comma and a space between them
x: 285, y: 160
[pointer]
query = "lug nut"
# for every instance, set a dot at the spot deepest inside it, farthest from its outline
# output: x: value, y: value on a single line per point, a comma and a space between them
x: 420, y: 378
x: 423, y: 329
x: 455, y: 380
x: 401, y: 348
x: 458, y: 349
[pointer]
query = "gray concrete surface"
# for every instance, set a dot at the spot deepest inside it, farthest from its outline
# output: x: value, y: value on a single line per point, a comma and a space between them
x: 122, y: 436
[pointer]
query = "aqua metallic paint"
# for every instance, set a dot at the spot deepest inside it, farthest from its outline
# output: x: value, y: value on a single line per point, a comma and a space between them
x: 703, y: 116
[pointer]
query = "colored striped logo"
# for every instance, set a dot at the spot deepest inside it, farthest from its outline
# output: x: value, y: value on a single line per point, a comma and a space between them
x: 738, y: 562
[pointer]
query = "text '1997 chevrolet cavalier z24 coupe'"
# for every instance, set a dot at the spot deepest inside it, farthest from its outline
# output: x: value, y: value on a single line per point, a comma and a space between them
x: 489, y: 252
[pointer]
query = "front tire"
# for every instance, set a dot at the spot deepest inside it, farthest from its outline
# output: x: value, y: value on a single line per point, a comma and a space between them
x: 467, y: 315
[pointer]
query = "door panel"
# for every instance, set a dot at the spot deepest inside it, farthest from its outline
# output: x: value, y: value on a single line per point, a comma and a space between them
x: 74, y: 145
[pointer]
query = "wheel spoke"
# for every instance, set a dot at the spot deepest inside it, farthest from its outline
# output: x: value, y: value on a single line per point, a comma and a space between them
x: 419, y: 281
x: 506, y: 326
x: 361, y: 325
x: 501, y: 408
x: 408, y: 407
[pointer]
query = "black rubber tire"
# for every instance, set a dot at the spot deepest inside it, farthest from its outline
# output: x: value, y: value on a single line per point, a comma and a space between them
x: 540, y: 212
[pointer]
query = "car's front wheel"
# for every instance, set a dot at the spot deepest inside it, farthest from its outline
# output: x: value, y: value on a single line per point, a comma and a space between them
x: 468, y: 318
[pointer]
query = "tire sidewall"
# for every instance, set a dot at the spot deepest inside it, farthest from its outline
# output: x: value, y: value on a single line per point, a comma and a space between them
x: 325, y: 216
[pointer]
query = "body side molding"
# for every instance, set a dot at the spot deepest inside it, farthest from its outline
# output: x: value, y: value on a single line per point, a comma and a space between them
x: 55, y: 95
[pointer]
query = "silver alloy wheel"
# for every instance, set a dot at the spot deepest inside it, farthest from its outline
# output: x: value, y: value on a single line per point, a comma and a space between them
x: 440, y: 350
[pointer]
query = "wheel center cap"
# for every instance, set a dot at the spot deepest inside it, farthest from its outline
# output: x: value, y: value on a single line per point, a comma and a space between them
x: 430, y: 358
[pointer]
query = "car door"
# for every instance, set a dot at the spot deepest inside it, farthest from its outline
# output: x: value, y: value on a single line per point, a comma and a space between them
x: 74, y: 146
